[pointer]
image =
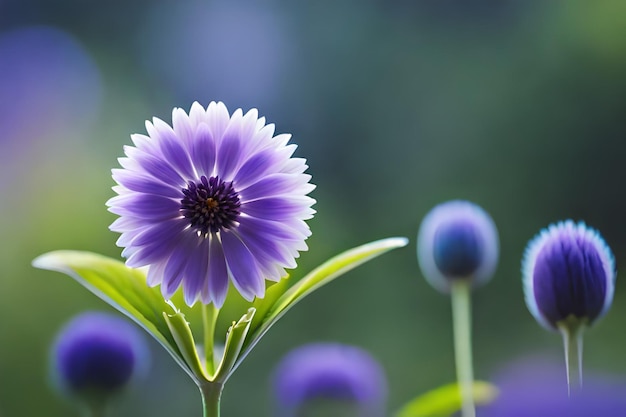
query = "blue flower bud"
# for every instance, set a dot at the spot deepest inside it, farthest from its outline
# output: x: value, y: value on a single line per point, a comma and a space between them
x: 457, y: 240
x: 97, y: 354
x: 568, y: 275
x: 330, y: 371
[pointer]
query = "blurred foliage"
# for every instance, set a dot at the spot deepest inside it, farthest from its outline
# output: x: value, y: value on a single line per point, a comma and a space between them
x: 397, y: 105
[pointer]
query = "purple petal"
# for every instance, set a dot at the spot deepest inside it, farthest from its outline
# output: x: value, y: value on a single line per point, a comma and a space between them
x: 218, y: 274
x: 147, y: 206
x: 159, y: 169
x: 157, y: 251
x: 144, y: 143
x: 279, y: 208
x: 228, y: 157
x: 294, y: 166
x: 124, y: 241
x: 274, y: 230
x: 197, y: 272
x: 203, y: 151
x: 161, y: 232
x: 197, y: 114
x: 155, y: 274
x: 175, y: 153
x: 182, y: 126
x: 218, y: 118
x: 143, y: 184
x: 175, y: 268
x: 276, y: 185
x: 242, y: 267
x: 255, y: 167
x: 265, y: 248
x: 248, y: 129
x: 126, y: 224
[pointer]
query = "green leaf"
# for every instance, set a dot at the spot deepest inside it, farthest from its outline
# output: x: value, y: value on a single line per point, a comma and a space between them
x: 446, y: 400
x: 183, y: 337
x: 322, y: 275
x: 121, y: 287
x: 126, y: 290
x: 263, y: 305
x: 234, y: 342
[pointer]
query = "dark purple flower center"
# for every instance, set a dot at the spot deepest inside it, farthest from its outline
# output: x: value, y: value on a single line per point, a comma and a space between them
x: 210, y: 205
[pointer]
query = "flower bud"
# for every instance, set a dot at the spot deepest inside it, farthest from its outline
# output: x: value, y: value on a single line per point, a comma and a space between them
x: 568, y: 275
x: 96, y: 355
x: 330, y: 371
x: 457, y: 240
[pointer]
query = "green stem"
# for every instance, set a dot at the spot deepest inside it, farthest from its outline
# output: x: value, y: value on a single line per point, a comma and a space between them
x: 94, y: 408
x: 572, y: 331
x: 461, y: 322
x: 579, y: 348
x: 209, y: 318
x: 211, y: 393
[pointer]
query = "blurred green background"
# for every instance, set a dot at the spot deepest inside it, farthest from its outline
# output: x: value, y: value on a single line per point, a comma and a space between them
x: 398, y: 105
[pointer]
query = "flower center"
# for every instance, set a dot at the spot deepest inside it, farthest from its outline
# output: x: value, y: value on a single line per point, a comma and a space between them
x: 210, y: 205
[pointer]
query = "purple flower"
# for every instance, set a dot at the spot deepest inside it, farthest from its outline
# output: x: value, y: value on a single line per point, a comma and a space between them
x: 457, y: 240
x: 568, y: 273
x: 330, y: 371
x: 213, y: 199
x: 97, y: 354
x: 535, y: 387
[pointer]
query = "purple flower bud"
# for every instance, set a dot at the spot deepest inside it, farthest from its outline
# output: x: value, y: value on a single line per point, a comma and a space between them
x: 96, y: 355
x: 457, y: 240
x: 330, y: 371
x: 568, y: 273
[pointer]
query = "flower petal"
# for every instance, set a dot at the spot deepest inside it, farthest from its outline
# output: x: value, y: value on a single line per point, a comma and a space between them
x: 162, y: 232
x: 242, y: 267
x: 148, y: 206
x: 203, y: 151
x: 218, y: 275
x: 144, y: 184
x: 255, y: 167
x: 197, y: 272
x: 175, y: 268
x: 228, y: 156
x: 217, y: 118
x: 277, y: 185
x: 175, y: 153
x: 279, y: 208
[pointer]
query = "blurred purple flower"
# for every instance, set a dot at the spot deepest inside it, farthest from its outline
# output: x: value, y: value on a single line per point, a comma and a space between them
x: 568, y: 271
x: 97, y: 354
x: 457, y: 240
x: 330, y: 371
x: 535, y: 388
x: 235, y: 51
x: 47, y: 76
x: 214, y: 199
